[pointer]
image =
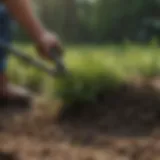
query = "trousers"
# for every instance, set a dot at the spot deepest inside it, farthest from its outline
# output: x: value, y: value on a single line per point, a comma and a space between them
x: 5, y: 35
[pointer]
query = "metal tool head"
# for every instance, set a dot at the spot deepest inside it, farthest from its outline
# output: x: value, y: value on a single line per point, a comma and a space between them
x: 60, y: 69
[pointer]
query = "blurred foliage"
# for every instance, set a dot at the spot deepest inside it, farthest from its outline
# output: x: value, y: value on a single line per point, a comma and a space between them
x: 81, y: 21
x: 95, y: 70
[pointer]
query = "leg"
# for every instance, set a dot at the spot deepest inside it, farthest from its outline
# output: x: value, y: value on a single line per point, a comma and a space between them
x: 5, y: 35
x: 8, y: 92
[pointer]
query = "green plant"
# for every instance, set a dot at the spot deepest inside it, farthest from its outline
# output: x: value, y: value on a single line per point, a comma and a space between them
x: 94, y: 69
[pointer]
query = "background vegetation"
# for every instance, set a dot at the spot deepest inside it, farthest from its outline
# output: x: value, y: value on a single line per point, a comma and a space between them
x: 99, y: 21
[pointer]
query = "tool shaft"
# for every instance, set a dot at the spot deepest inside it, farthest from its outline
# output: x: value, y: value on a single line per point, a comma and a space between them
x: 32, y: 61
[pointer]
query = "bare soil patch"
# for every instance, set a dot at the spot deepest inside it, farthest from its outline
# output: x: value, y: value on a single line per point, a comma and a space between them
x: 123, y: 125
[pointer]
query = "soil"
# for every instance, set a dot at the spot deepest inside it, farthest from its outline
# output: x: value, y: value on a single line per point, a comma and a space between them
x: 123, y: 125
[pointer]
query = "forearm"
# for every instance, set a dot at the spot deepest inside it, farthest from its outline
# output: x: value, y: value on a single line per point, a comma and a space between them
x: 21, y: 11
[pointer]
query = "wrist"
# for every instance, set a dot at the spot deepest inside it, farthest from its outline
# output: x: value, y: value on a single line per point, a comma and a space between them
x: 36, y: 33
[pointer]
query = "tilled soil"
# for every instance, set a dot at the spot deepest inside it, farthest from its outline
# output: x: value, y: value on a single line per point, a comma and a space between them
x: 34, y: 141
x: 126, y: 126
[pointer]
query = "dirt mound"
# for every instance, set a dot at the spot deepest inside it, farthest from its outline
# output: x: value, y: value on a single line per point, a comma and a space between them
x: 132, y: 110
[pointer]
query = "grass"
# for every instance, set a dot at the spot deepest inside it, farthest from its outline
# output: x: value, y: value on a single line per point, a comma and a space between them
x: 93, y: 68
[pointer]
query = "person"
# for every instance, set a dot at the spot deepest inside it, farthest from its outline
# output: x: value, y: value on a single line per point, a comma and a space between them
x: 21, y: 11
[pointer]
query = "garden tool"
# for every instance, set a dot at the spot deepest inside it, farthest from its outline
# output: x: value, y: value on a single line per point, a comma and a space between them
x: 59, y: 69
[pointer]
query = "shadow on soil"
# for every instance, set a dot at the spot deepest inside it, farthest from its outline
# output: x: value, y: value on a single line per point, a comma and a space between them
x: 132, y: 112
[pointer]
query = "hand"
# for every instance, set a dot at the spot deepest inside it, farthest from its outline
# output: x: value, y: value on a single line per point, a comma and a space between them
x: 46, y: 43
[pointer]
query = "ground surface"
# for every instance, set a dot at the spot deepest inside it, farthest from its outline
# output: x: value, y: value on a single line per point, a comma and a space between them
x: 128, y: 130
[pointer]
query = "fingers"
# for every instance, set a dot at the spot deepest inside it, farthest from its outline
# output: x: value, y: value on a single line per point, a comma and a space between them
x: 48, y: 45
x: 57, y: 49
x: 49, y: 52
x: 42, y: 52
x: 58, y: 45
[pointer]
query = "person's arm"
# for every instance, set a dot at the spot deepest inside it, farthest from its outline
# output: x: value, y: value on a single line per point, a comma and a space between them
x: 21, y: 11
